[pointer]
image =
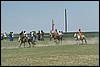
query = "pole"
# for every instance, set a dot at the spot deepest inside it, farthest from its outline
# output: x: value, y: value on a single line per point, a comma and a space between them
x: 65, y: 22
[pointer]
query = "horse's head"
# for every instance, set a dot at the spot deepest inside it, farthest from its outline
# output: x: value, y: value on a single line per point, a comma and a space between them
x: 75, y: 35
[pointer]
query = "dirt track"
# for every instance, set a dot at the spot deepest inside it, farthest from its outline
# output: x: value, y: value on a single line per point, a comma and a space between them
x: 90, y: 41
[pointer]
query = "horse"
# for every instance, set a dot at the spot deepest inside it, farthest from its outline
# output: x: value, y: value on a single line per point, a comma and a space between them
x: 79, y: 38
x: 60, y: 36
x: 56, y: 36
x: 26, y: 39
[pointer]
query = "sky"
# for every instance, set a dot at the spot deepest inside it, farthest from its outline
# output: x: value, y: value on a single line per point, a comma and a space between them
x: 18, y: 16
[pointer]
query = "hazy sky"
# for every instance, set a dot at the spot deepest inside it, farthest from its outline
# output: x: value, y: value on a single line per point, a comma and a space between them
x: 36, y: 15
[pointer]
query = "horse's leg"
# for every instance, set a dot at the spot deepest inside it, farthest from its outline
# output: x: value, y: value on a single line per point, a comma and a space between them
x: 20, y: 44
x: 43, y: 37
x: 32, y: 42
x: 61, y: 40
x: 58, y: 39
x: 85, y: 40
x: 29, y: 44
x: 82, y: 41
x: 55, y: 40
x: 50, y: 38
x: 77, y: 41
x: 24, y: 44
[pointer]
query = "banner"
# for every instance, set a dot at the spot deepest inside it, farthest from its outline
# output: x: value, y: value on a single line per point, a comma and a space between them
x: 52, y: 24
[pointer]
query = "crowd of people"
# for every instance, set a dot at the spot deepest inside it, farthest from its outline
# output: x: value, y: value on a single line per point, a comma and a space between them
x: 5, y: 35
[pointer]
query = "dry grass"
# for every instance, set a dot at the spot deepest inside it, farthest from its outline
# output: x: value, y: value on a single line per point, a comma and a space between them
x: 47, y: 53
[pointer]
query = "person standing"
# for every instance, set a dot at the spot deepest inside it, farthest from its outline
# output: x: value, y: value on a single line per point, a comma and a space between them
x: 50, y: 34
x: 42, y: 35
x: 10, y: 35
x: 1, y: 37
x: 31, y: 35
x: 34, y: 36
x: 38, y: 35
x: 5, y: 36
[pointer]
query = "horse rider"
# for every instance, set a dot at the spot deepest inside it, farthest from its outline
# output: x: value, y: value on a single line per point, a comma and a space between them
x: 80, y: 33
x: 21, y: 36
x: 60, y: 36
x: 55, y: 35
x: 25, y: 35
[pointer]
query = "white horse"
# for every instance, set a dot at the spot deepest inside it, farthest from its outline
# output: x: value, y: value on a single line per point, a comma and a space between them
x: 79, y: 38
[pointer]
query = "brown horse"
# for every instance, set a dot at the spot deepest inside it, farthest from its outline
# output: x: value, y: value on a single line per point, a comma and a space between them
x: 55, y: 35
x: 26, y: 39
x: 60, y: 36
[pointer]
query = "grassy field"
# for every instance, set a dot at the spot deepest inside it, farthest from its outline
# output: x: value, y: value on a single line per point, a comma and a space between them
x: 47, y: 53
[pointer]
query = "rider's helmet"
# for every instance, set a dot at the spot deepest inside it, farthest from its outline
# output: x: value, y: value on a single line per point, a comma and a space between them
x: 79, y: 29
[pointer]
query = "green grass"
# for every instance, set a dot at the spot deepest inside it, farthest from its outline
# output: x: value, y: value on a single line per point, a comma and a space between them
x: 66, y: 54
x: 59, y: 55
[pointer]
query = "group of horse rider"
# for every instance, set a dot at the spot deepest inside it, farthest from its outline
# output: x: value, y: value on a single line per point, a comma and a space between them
x: 56, y: 35
x: 33, y: 35
x: 31, y: 39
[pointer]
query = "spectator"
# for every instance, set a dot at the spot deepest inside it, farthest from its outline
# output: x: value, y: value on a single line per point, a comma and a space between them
x: 42, y: 35
x: 38, y: 35
x: 10, y: 35
x: 34, y: 35
x: 50, y: 34
x: 2, y: 36
x: 31, y: 35
x: 5, y: 36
